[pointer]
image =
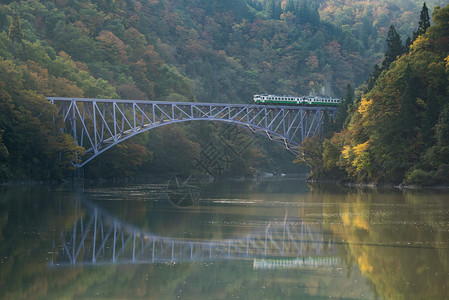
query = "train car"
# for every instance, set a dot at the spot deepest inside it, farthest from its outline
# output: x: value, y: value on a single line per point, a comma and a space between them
x: 293, y: 100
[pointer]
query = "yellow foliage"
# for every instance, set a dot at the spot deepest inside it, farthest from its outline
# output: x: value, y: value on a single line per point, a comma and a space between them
x: 364, y: 265
x: 346, y: 151
x: 357, y: 222
x: 361, y: 148
x: 360, y: 223
x: 345, y: 219
x: 420, y: 44
x: 361, y: 161
x: 365, y: 106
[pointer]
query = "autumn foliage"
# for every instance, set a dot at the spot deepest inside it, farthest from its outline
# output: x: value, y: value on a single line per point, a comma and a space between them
x: 398, y: 130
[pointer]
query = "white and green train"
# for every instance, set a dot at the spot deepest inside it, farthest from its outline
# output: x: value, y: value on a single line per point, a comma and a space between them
x: 292, y: 100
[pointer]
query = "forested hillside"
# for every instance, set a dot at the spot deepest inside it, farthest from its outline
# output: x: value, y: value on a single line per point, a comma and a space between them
x: 179, y: 50
x: 398, y: 132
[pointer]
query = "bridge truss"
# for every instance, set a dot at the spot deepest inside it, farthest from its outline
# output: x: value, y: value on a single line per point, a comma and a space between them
x: 99, y: 124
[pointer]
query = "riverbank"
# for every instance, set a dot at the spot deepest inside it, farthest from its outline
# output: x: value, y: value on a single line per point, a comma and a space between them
x: 372, y: 185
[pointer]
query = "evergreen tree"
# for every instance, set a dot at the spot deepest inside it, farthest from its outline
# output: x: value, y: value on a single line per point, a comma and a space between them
x: 15, y: 29
x: 408, y: 110
x: 342, y: 113
x: 394, y: 48
x: 424, y: 22
x: 373, y: 77
x: 273, y: 9
x: 328, y: 127
x: 307, y: 13
x: 290, y: 6
x: 408, y: 43
x: 269, y: 7
x: 303, y: 14
x: 430, y: 117
x: 3, y: 19
x: 277, y: 10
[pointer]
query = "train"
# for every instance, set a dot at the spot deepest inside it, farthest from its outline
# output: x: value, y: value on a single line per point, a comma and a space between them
x: 293, y: 100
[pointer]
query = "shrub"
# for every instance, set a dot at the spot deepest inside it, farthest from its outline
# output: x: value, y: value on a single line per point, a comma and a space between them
x: 442, y: 174
x: 419, y: 177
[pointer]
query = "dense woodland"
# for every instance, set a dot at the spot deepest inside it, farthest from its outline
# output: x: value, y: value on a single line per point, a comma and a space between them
x: 186, y: 50
x: 397, y: 131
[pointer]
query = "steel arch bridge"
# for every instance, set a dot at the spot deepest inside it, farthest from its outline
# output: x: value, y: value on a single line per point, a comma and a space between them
x: 99, y: 124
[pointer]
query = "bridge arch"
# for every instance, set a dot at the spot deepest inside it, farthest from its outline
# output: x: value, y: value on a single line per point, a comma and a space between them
x: 99, y: 124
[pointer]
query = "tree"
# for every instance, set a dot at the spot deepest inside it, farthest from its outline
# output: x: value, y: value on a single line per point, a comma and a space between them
x: 424, y: 22
x: 430, y: 117
x: 342, y: 113
x: 310, y: 153
x: 408, y: 104
x: 15, y: 29
x: 290, y: 6
x: 394, y: 48
x: 3, y: 19
x: 373, y: 77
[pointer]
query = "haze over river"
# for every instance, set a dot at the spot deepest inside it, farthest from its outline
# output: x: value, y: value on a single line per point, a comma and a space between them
x: 267, y: 239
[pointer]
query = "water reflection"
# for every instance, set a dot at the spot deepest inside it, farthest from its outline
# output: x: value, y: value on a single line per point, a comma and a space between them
x: 246, y: 240
x: 97, y: 237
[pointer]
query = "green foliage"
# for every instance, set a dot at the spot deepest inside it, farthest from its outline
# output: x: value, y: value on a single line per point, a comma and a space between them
x: 399, y: 131
x: 419, y: 177
x: 207, y: 51
x: 15, y: 29
x: 394, y: 48
x: 311, y: 154
x: 424, y: 22
x: 343, y: 110
x: 441, y: 176
x: 31, y: 145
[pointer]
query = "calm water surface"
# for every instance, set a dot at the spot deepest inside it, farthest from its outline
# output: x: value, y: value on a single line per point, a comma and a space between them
x: 279, y: 239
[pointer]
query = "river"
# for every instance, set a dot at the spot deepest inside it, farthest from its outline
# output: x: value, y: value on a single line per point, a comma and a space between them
x: 190, y: 239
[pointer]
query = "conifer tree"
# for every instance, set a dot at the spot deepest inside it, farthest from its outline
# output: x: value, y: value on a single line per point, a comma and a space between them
x: 430, y: 117
x: 277, y: 10
x: 408, y: 43
x: 373, y: 77
x: 424, y: 22
x: 15, y: 30
x: 342, y: 113
x: 290, y: 6
x: 408, y: 104
x: 269, y: 8
x: 3, y: 19
x: 394, y: 48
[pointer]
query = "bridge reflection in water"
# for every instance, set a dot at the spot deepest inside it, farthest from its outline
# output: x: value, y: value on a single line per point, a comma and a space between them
x: 97, y: 237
